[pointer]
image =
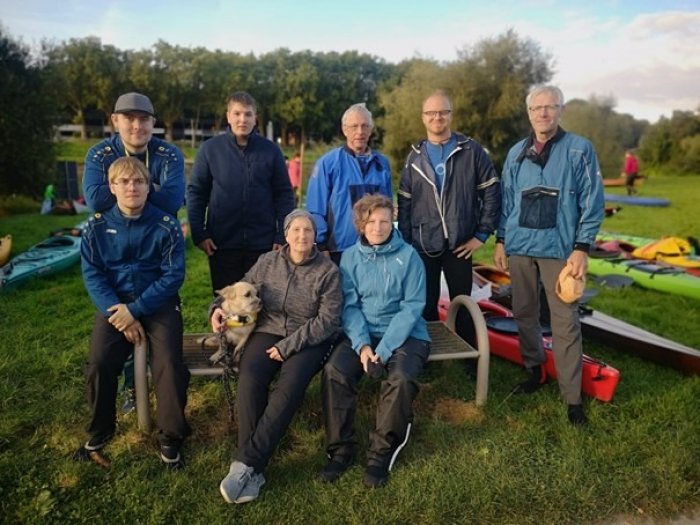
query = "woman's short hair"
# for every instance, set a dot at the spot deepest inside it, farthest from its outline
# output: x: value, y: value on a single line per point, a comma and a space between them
x: 298, y: 214
x: 366, y: 206
x: 127, y: 167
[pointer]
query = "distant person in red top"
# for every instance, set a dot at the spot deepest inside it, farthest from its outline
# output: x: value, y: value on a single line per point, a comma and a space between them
x: 294, y: 168
x: 630, y: 171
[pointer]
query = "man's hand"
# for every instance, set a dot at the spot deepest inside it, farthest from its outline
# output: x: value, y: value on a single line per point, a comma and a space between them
x: 465, y: 250
x: 135, y: 333
x: 207, y: 246
x: 578, y: 264
x: 499, y: 257
x: 274, y: 354
x: 218, y: 324
x: 121, y: 317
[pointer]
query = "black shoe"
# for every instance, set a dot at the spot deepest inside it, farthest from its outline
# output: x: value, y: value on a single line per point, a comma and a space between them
x: 335, y: 468
x: 577, y: 416
x: 538, y: 378
x: 94, y: 444
x: 375, y: 476
x: 171, y: 457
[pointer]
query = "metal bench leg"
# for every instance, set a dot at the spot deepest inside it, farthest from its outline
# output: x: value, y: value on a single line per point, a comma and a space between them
x: 141, y: 386
x: 482, y: 342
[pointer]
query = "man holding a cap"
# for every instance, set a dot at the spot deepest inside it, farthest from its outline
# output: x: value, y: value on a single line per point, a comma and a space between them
x: 552, y: 209
x: 133, y: 119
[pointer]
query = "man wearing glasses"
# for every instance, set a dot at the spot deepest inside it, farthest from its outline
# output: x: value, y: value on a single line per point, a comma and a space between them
x: 133, y: 262
x: 449, y: 203
x: 133, y: 120
x: 343, y: 176
x: 552, y: 209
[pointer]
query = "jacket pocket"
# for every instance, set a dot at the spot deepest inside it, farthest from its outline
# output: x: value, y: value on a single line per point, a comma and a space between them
x: 538, y: 208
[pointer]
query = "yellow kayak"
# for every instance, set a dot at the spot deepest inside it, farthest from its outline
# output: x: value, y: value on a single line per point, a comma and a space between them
x: 5, y: 249
x: 671, y: 250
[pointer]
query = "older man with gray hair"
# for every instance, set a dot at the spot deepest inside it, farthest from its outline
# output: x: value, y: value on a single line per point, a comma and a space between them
x: 343, y: 176
x: 552, y: 209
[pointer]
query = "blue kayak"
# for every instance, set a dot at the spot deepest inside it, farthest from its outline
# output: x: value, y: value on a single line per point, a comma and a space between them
x: 637, y: 201
x: 46, y: 258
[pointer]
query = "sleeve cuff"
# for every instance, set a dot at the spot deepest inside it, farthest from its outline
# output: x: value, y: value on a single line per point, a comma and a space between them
x: 482, y: 236
x: 582, y: 247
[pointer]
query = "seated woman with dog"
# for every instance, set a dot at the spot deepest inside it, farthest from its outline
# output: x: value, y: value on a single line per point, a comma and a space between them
x: 300, y: 317
x: 384, y: 290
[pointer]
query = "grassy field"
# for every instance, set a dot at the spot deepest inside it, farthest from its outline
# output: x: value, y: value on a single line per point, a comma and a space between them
x: 515, y: 461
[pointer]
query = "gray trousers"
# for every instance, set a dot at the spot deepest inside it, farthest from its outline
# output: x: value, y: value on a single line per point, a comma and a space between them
x: 567, y: 345
x: 394, y: 417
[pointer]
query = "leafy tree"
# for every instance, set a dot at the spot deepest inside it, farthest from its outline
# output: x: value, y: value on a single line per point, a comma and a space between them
x: 27, y: 159
x: 673, y: 142
x: 84, y: 73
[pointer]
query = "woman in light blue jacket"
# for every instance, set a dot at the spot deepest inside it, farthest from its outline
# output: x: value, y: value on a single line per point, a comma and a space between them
x: 383, y: 281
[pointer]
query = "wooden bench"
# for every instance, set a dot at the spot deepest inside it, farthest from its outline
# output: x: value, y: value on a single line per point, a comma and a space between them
x: 445, y: 344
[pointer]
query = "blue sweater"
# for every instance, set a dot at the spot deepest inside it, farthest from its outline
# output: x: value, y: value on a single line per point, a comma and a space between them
x: 138, y: 262
x: 384, y: 295
x: 336, y: 184
x: 239, y: 197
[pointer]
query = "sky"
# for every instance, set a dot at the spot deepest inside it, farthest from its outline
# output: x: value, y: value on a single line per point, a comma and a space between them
x: 645, y: 54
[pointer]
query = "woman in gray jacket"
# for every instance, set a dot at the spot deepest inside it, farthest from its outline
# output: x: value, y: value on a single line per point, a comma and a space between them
x: 302, y: 300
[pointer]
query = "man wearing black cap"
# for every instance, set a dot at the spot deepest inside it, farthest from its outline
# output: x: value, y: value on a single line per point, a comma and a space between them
x: 133, y: 119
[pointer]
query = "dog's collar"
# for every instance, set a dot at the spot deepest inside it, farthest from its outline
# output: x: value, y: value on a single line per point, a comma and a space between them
x: 236, y: 321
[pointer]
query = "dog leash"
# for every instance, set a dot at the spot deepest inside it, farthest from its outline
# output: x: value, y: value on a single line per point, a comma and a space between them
x: 230, y: 366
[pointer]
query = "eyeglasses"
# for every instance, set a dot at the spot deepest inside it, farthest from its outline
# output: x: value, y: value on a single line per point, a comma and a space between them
x: 126, y: 182
x: 357, y: 127
x: 547, y: 109
x: 434, y: 114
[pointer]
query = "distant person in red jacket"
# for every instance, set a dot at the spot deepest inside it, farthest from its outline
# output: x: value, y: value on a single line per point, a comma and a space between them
x: 294, y: 168
x: 630, y: 171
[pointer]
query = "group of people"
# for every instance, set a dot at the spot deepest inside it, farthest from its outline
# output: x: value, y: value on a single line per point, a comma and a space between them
x: 344, y: 292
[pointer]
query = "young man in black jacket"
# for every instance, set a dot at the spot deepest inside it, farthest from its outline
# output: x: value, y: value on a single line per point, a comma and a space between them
x: 238, y: 196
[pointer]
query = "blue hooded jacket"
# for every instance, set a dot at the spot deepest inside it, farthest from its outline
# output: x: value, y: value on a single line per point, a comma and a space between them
x: 384, y: 295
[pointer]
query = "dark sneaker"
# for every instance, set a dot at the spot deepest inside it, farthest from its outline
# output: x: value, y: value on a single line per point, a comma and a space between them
x: 90, y: 451
x: 129, y: 404
x: 251, y: 490
x: 375, y: 476
x: 171, y: 457
x: 335, y: 468
x: 538, y: 378
x: 576, y: 415
x: 235, y: 481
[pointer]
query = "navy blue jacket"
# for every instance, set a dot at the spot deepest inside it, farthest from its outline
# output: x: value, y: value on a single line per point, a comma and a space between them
x: 138, y: 262
x: 239, y: 197
x: 166, y: 166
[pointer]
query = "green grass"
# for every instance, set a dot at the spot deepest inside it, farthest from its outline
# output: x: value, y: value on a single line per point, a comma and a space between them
x: 515, y: 461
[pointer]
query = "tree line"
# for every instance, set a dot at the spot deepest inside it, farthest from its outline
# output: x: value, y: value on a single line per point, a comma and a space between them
x: 304, y: 94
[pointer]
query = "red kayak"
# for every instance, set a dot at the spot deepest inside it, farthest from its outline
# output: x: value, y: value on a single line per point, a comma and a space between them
x: 599, y: 379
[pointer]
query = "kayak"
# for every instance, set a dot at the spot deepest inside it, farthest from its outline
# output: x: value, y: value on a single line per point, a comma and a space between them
x: 662, y: 278
x: 637, y: 201
x: 599, y: 380
x: 46, y: 258
x: 674, y: 251
x: 5, y: 249
x: 638, y: 342
x: 625, y: 337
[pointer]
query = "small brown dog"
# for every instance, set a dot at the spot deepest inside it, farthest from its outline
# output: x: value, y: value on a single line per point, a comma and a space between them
x: 241, y: 305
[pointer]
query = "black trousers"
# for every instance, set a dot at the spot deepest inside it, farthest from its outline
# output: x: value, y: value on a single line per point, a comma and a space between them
x: 394, y: 417
x: 109, y: 350
x: 229, y: 266
x: 265, y: 412
x: 458, y: 274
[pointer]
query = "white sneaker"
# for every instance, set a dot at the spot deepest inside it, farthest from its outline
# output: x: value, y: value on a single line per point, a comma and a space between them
x: 232, y: 485
x: 252, y: 489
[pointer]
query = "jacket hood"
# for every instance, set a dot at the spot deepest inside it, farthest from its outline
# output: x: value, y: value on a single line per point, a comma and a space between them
x: 394, y: 243
x: 461, y: 141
